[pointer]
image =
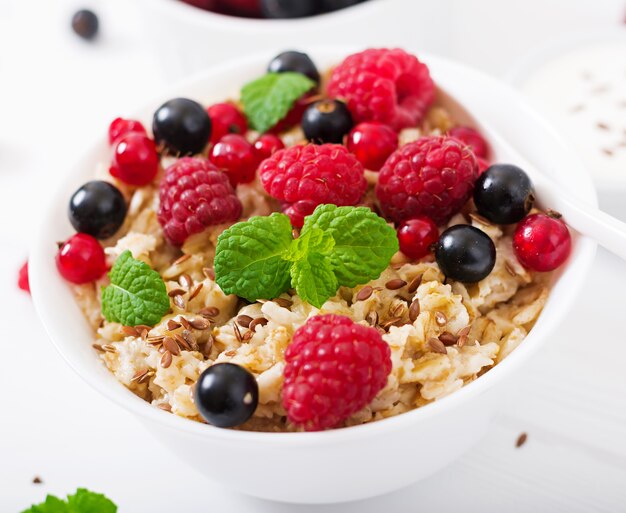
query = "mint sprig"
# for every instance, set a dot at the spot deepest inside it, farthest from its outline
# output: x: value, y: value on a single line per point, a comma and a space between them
x: 259, y: 259
x: 137, y: 294
x: 83, y: 501
x: 268, y: 99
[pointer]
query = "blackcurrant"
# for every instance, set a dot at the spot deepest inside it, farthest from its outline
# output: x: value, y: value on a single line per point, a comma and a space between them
x: 289, y: 8
x: 465, y: 253
x: 226, y: 395
x: 504, y: 194
x: 182, y: 125
x: 85, y: 24
x: 98, y: 209
x: 327, y: 121
x: 294, y: 61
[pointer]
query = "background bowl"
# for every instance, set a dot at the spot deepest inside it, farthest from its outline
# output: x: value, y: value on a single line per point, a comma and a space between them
x: 345, y: 464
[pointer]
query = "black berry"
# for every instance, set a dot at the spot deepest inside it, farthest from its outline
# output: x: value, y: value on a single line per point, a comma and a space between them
x: 335, y: 5
x: 183, y: 126
x: 504, y: 194
x: 289, y: 8
x: 465, y: 253
x: 294, y: 61
x: 226, y: 395
x: 98, y: 209
x: 327, y: 121
x: 85, y: 24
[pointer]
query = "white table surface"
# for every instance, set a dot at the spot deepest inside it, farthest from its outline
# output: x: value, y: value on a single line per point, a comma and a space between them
x: 57, y: 92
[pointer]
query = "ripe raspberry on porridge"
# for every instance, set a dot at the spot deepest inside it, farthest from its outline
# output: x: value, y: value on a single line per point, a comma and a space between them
x: 327, y: 250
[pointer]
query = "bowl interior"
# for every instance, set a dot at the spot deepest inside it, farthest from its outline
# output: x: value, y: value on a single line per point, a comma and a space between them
x: 482, y: 96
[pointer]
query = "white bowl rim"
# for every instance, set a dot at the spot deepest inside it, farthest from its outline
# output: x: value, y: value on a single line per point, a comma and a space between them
x: 146, y: 411
x: 197, y: 16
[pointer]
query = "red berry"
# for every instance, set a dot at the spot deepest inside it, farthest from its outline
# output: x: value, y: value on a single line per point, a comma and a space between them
x: 416, y: 236
x: 121, y: 126
x: 483, y: 165
x: 135, y: 159
x: 22, y: 278
x: 207, y: 5
x: 433, y: 176
x: 472, y: 138
x: 389, y: 86
x: 372, y: 143
x: 236, y: 157
x: 226, y: 118
x: 195, y: 194
x: 81, y: 259
x: 241, y: 7
x: 542, y: 242
x: 303, y: 177
x: 266, y: 145
x: 334, y: 368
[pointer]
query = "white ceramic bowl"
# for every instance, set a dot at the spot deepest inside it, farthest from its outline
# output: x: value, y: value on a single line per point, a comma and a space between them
x: 344, y: 464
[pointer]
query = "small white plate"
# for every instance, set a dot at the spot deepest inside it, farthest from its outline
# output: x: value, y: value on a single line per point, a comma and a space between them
x: 579, y: 83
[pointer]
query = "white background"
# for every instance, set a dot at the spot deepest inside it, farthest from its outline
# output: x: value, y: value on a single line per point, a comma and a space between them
x: 57, y: 94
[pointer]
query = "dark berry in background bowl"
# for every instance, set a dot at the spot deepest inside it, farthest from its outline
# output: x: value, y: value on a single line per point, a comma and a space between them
x: 272, y: 9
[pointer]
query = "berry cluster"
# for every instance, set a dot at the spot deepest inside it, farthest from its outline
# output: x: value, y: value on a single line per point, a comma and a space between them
x: 272, y: 8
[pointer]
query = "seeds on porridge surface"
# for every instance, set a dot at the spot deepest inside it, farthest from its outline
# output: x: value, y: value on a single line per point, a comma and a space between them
x: 199, y: 323
x: 259, y: 321
x: 230, y: 353
x: 462, y: 340
x: 156, y: 339
x: 414, y: 284
x: 372, y: 318
x: 414, y: 310
x: 395, y: 284
x: 109, y: 348
x: 182, y: 259
x: 179, y: 302
x: 130, y: 331
x: 364, y: 293
x: 185, y: 281
x: 176, y: 292
x: 138, y: 375
x: 208, y: 345
x: 209, y: 311
x: 161, y: 349
x: 185, y: 323
x: 247, y: 335
x: 196, y: 290
x: 509, y: 268
x: 97, y: 347
x: 182, y: 342
x: 285, y: 303
x: 170, y: 345
x: 244, y: 320
x: 209, y: 273
x: 165, y: 407
x: 237, y: 332
x: 448, y: 339
x: 391, y: 322
x: 441, y: 319
x: 166, y: 359
x: 190, y: 339
x: 398, y: 310
x: 173, y: 325
x: 436, y: 346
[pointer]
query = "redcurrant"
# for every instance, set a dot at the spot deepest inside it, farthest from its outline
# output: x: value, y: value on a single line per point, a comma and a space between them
x: 121, y: 126
x: 266, y: 145
x: 235, y: 156
x: 135, y: 159
x: 81, y: 259
x: 542, y: 242
x: 372, y: 143
x: 226, y: 119
x: 416, y: 236
x: 22, y: 278
x: 472, y: 138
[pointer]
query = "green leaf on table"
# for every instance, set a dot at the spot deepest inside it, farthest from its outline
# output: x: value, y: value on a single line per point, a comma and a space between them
x: 83, y: 501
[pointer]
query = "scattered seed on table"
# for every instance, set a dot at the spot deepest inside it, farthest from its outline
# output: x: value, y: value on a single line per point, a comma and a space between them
x: 521, y: 440
x: 85, y: 24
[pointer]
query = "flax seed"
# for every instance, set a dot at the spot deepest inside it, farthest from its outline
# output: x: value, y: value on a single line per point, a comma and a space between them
x: 173, y: 325
x: 285, y: 303
x: 166, y: 359
x: 372, y: 318
x: 414, y: 284
x: 185, y: 281
x: 179, y: 302
x: 170, y: 345
x: 448, y: 339
x: 182, y: 259
x: 176, y: 292
x: 209, y: 273
x: 200, y: 323
x: 209, y: 311
x: 395, y: 284
x: 365, y: 293
x: 185, y: 323
x: 521, y: 440
x: 436, y: 346
x: 165, y: 407
x: 237, y: 332
x: 259, y: 321
x: 130, y: 331
x: 509, y: 268
x: 247, y: 335
x: 182, y: 342
x: 196, y: 290
x: 391, y: 322
x: 462, y: 336
x: 414, y: 310
x: 244, y: 321
x: 441, y: 319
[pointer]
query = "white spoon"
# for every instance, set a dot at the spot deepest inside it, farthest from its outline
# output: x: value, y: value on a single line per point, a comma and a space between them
x: 588, y: 220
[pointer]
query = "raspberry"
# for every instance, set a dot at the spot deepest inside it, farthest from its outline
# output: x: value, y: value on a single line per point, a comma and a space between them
x: 303, y: 177
x: 195, y: 194
x: 433, y: 176
x: 334, y: 368
x: 389, y: 86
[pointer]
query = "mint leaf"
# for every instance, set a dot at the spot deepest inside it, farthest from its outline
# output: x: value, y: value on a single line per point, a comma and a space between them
x: 364, y: 242
x: 137, y: 294
x: 249, y: 257
x: 83, y: 501
x: 314, y: 279
x: 268, y: 99
x: 314, y: 241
